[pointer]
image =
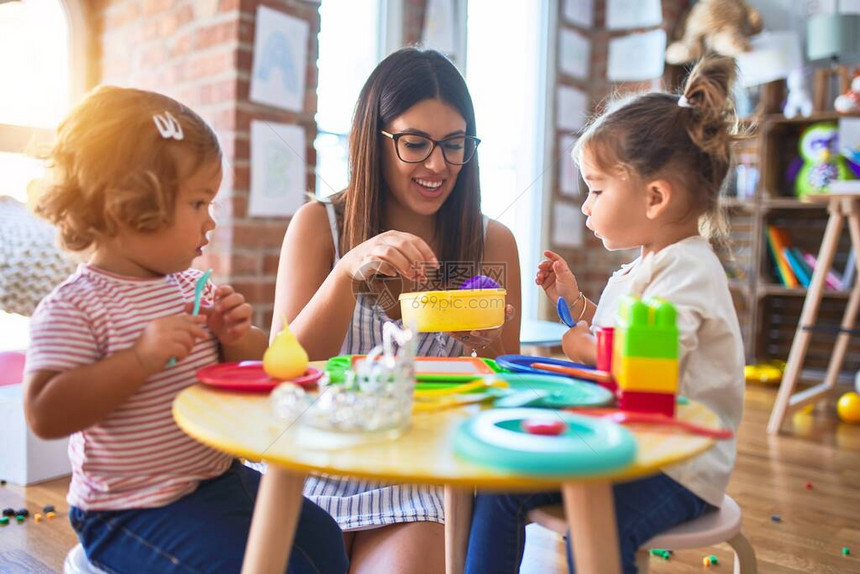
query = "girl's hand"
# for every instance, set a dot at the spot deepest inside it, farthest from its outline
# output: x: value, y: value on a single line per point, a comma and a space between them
x: 391, y: 253
x: 229, y: 318
x: 480, y: 340
x: 579, y: 344
x: 556, y: 278
x: 166, y: 338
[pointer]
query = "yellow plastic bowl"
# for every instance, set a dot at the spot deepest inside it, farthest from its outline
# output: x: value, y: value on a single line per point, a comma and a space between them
x: 454, y: 310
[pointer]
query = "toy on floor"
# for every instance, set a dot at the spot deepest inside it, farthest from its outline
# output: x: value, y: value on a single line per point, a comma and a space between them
x: 848, y: 408
x: 285, y: 358
x: 645, y: 356
x: 820, y: 162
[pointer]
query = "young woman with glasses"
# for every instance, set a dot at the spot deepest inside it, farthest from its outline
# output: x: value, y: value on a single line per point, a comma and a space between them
x: 409, y: 220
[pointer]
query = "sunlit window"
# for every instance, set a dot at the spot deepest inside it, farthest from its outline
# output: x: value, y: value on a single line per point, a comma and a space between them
x: 34, y: 67
x: 356, y: 24
x: 35, y: 95
x: 503, y: 69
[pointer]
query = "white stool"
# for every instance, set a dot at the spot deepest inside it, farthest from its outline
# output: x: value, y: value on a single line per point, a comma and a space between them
x: 720, y: 525
x: 76, y: 563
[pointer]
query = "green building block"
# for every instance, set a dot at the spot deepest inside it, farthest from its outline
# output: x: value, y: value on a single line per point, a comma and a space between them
x: 4, y: 520
x: 646, y: 329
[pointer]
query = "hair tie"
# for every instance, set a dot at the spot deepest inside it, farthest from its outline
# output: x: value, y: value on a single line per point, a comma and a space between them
x: 683, y: 102
x: 168, y: 126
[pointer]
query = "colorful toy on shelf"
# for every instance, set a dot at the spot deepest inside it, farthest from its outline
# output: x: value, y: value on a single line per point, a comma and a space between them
x: 849, y: 102
x: 821, y: 161
x: 285, y: 359
x: 798, y: 101
x: 645, y: 356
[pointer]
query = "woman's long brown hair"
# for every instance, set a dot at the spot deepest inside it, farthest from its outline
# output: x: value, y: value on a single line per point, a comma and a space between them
x: 400, y: 81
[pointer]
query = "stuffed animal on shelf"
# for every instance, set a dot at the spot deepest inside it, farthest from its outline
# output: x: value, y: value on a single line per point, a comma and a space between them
x: 821, y: 160
x: 849, y: 102
x: 721, y: 26
x: 798, y: 101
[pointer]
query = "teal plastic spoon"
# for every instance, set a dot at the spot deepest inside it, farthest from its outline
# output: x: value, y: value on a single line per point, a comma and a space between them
x: 198, y: 294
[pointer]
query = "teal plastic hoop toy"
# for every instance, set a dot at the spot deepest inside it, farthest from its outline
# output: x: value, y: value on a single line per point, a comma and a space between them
x: 562, y: 392
x: 588, y: 446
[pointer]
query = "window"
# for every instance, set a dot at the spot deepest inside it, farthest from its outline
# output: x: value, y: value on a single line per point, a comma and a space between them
x: 342, y: 73
x: 506, y: 61
x: 36, y: 49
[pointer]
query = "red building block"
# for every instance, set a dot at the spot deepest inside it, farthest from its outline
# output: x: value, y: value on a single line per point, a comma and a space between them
x: 645, y: 402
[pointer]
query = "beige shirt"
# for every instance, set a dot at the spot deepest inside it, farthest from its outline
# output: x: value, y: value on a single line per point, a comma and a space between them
x: 689, y: 275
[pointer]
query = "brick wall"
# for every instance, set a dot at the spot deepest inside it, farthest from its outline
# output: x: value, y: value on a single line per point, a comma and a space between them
x: 201, y: 53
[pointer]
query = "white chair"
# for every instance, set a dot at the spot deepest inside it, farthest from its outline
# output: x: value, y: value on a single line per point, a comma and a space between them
x: 76, y: 563
x: 720, y: 525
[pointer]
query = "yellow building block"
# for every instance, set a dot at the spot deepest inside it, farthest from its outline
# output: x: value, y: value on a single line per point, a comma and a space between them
x: 646, y: 374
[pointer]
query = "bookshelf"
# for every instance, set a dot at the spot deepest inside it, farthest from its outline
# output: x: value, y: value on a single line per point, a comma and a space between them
x: 768, y: 310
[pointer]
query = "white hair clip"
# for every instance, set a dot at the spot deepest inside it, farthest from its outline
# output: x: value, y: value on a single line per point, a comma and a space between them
x: 168, y: 126
x: 684, y: 102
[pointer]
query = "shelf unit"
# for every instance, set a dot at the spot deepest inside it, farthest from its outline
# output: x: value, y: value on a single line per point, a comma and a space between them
x: 767, y: 310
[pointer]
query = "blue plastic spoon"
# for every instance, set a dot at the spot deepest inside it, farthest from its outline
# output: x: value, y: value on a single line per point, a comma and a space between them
x: 564, y: 312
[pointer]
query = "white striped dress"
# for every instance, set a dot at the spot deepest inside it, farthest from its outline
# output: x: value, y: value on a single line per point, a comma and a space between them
x: 363, y: 504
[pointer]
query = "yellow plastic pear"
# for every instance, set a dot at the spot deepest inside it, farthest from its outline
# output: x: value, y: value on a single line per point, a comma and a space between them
x: 285, y: 358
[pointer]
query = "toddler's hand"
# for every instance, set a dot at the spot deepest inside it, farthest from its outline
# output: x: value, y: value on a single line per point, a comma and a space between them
x: 229, y: 318
x: 166, y: 338
x: 579, y: 344
x: 556, y: 278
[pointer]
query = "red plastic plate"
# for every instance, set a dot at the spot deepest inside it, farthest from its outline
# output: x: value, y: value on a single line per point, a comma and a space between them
x: 249, y: 376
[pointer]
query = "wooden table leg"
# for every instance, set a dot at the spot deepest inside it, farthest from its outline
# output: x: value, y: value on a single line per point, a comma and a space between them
x: 273, y: 526
x: 590, y: 512
x: 800, y: 344
x: 458, y: 523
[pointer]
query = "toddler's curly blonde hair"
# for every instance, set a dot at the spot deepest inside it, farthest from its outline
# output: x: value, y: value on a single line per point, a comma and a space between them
x: 111, y: 166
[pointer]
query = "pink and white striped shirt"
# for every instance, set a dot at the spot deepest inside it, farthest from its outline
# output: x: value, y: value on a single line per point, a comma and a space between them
x: 136, y: 457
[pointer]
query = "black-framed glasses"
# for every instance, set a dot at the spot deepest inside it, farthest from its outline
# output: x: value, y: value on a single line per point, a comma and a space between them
x: 415, y: 148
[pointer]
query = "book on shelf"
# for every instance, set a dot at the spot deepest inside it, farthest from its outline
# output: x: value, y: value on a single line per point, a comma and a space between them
x: 848, y: 276
x: 833, y: 280
x: 776, y: 246
x: 797, y: 266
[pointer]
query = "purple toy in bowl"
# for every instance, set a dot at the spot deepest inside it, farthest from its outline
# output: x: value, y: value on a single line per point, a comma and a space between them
x: 480, y: 282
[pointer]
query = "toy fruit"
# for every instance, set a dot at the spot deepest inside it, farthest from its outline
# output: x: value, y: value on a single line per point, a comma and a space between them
x: 285, y: 358
x: 848, y: 408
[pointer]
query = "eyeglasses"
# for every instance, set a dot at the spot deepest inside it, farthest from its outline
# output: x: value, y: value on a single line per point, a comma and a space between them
x: 414, y: 148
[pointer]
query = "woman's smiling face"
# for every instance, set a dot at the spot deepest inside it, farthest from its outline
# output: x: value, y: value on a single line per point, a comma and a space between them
x: 422, y: 187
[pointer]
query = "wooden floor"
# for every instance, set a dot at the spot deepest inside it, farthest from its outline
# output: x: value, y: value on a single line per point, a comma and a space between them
x: 770, y: 478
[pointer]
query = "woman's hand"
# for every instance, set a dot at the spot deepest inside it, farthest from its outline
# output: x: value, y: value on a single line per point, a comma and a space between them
x: 481, y: 340
x: 556, y: 278
x: 391, y: 253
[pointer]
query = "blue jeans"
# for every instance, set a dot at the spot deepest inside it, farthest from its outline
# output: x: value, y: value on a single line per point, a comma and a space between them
x: 204, y: 531
x: 643, y: 509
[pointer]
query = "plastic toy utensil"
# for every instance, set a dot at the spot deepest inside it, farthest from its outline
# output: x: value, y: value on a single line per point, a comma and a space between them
x: 198, y: 290
x: 588, y: 374
x: 198, y: 293
x: 564, y: 312
x: 627, y: 417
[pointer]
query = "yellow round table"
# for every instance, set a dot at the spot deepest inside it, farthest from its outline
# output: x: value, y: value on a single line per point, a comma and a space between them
x: 245, y: 425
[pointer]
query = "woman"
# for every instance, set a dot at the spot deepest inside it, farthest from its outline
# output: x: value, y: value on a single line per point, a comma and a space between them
x: 408, y: 220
